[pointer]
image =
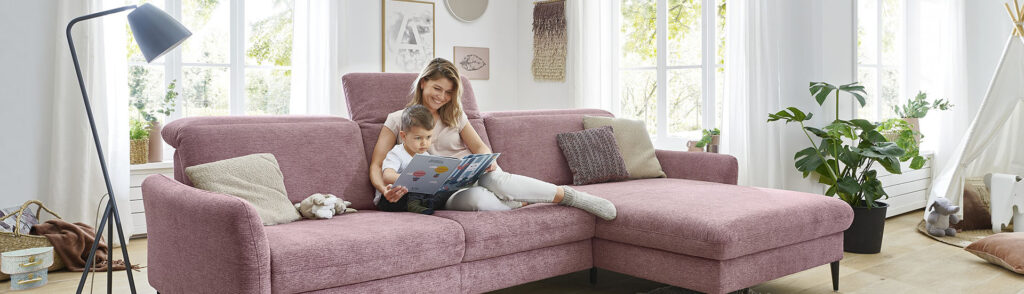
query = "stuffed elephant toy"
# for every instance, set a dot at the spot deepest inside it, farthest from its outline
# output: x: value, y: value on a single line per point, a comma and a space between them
x: 941, y: 215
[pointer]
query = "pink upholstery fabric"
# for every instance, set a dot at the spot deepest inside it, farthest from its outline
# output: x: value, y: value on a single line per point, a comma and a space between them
x: 203, y: 240
x: 359, y: 247
x: 699, y: 166
x: 371, y: 96
x: 528, y: 145
x: 578, y: 111
x: 717, y: 276
x: 496, y: 233
x: 514, y: 269
x: 316, y: 154
x: 715, y: 221
x: 444, y: 280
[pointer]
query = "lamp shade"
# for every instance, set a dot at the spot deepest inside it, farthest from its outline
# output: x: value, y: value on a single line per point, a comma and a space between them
x: 155, y: 31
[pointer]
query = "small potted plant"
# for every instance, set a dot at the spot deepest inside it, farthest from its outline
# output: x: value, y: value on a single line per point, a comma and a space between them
x: 918, y: 108
x: 907, y: 137
x: 163, y: 107
x: 691, y: 146
x: 842, y: 158
x: 710, y: 139
x: 139, y: 146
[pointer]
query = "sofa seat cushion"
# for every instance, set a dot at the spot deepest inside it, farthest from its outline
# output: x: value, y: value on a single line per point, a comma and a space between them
x: 356, y: 247
x: 497, y: 233
x: 715, y: 221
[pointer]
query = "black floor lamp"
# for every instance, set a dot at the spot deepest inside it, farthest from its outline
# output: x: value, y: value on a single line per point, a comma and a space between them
x: 156, y: 33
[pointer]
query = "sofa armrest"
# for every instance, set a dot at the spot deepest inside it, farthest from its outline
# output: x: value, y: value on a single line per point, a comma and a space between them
x: 203, y: 242
x: 700, y: 166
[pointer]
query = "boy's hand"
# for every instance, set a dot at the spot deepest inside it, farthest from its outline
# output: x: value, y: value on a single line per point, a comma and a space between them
x: 393, y: 194
x: 493, y: 167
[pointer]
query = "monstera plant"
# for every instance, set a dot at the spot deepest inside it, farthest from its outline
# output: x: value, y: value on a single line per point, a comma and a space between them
x: 843, y: 152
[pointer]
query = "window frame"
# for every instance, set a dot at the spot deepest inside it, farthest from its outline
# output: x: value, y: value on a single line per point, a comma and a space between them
x: 708, y: 67
x: 878, y: 67
x: 173, y: 62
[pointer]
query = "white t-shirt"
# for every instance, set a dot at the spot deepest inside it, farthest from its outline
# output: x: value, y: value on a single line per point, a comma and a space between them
x: 397, y: 159
x: 447, y: 141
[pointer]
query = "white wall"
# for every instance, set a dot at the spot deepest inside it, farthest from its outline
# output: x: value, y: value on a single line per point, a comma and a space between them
x: 361, y: 45
x: 28, y: 34
x: 534, y: 94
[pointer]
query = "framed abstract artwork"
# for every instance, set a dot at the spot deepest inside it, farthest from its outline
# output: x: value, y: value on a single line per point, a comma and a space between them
x: 474, y: 63
x: 407, y: 28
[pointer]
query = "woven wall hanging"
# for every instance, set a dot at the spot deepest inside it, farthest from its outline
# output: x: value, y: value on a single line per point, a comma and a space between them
x: 549, y: 41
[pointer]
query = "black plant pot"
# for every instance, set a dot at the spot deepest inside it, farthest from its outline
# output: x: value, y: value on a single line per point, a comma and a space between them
x: 865, y: 234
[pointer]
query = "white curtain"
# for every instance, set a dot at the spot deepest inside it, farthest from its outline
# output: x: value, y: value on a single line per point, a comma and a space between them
x: 592, y: 50
x: 752, y: 73
x: 75, y: 179
x: 315, y: 74
x: 936, y: 64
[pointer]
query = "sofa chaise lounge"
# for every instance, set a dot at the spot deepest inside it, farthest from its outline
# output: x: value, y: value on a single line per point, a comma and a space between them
x: 695, y: 229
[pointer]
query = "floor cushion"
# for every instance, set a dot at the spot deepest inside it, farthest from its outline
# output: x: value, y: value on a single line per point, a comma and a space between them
x: 715, y: 221
x: 356, y: 247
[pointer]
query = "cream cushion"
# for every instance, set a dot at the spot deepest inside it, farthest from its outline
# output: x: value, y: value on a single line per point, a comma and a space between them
x: 256, y: 178
x: 634, y: 144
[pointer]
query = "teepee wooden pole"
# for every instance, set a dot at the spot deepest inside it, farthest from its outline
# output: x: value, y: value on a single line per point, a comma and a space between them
x: 1017, y: 30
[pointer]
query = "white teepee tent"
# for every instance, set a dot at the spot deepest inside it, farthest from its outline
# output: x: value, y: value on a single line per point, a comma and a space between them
x: 994, y: 141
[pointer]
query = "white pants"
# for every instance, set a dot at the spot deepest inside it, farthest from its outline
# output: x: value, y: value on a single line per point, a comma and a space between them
x: 496, y: 187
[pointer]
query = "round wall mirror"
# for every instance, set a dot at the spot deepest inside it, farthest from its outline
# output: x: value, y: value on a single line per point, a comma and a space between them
x: 466, y: 10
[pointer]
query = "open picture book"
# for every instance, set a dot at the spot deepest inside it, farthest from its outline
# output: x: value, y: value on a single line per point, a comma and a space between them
x: 429, y: 174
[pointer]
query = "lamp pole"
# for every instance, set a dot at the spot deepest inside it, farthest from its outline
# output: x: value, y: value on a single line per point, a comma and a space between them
x: 111, y: 202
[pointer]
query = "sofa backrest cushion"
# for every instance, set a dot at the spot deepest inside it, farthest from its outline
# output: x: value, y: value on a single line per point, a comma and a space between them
x: 527, y: 141
x: 372, y: 96
x: 317, y: 154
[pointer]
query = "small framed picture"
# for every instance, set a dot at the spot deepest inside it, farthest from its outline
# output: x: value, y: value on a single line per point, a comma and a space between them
x: 407, y: 35
x: 474, y: 63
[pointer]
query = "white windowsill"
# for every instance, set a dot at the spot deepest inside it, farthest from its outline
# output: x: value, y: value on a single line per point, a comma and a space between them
x: 152, y: 166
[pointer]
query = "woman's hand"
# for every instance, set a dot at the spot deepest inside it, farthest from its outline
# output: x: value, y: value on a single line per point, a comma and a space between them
x: 493, y: 167
x: 393, y: 194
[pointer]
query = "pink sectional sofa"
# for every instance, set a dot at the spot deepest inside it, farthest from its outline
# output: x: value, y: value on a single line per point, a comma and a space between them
x: 694, y: 229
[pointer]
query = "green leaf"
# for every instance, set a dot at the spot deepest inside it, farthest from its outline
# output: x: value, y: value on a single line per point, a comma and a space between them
x: 848, y: 157
x: 817, y: 132
x: 888, y: 149
x: 862, y: 124
x: 808, y: 160
x: 848, y: 186
x: 856, y: 90
x: 824, y: 175
x: 821, y: 90
x: 873, y: 136
x: 891, y: 164
x: 917, y: 162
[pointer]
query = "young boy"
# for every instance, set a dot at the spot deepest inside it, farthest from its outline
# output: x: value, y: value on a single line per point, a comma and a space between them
x: 416, y: 132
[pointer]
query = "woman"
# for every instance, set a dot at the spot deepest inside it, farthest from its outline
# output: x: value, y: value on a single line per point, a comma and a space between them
x: 439, y: 89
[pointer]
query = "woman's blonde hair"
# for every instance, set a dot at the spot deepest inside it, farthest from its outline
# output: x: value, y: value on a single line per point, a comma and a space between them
x: 441, y: 68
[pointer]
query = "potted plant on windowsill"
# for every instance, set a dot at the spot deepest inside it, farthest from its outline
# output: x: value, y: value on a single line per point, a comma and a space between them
x: 163, y: 107
x: 916, y: 109
x: 709, y: 139
x: 138, y: 149
x: 842, y: 159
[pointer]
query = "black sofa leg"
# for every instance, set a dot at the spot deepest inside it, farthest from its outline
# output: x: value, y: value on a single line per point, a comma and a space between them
x: 593, y: 276
x: 835, y: 276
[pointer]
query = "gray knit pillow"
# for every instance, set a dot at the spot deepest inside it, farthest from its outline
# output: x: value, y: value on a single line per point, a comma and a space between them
x: 593, y: 156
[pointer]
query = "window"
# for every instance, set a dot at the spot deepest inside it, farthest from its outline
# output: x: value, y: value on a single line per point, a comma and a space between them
x: 880, y: 56
x: 671, y: 66
x: 238, y: 60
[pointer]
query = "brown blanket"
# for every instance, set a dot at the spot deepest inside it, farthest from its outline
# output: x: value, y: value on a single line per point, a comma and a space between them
x: 71, y: 242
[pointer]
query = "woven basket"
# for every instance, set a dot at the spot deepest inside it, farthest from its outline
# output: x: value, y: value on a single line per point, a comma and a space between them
x: 17, y: 241
x: 139, y: 151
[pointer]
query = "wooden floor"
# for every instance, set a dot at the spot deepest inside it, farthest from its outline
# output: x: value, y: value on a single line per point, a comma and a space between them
x: 909, y: 263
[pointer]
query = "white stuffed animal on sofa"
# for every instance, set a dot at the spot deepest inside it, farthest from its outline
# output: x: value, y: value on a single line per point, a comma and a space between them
x: 322, y: 206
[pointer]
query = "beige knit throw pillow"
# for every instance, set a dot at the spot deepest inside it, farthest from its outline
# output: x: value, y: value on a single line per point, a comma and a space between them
x: 256, y: 178
x: 634, y: 144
